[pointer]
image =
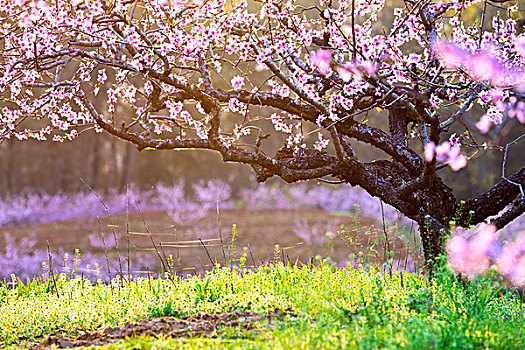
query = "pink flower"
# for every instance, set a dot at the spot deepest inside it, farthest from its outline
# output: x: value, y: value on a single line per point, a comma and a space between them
x: 102, y: 76
x: 459, y: 162
x: 450, y: 55
x: 484, y: 124
x: 495, y: 95
x: 511, y: 261
x: 345, y: 73
x: 369, y: 67
x: 322, y: 143
x: 470, y: 255
x: 520, y: 45
x: 349, y: 70
x: 321, y: 60
x: 442, y: 151
x: 446, y: 153
x: 148, y: 87
x: 517, y: 110
x: 237, y: 82
x: 430, y: 148
x: 484, y: 66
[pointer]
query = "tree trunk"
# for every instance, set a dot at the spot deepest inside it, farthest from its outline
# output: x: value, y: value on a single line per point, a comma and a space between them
x: 432, y: 235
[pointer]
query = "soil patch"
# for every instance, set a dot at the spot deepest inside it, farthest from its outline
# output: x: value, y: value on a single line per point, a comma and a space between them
x: 201, y: 324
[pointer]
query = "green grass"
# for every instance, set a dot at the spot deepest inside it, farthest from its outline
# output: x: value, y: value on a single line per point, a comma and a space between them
x: 336, y: 308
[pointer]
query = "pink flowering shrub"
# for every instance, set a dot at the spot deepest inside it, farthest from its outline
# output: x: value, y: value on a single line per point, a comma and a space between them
x: 37, y: 208
x: 186, y: 209
x: 208, y: 193
x: 265, y: 196
x: 24, y: 259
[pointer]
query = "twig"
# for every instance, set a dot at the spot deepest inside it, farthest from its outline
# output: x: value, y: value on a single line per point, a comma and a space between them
x: 251, y: 255
x: 51, y: 269
x: 220, y: 233
x: 207, y: 253
x: 127, y: 230
x: 505, y: 161
x: 165, y: 258
x: 150, y: 236
x: 112, y: 228
x: 481, y: 24
x: 105, y: 250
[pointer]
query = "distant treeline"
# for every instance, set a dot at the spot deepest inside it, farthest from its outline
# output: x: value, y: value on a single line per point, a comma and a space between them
x: 107, y: 163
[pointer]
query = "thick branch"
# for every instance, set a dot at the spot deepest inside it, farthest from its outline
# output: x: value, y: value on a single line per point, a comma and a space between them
x: 517, y: 208
x: 494, y: 200
x: 348, y: 127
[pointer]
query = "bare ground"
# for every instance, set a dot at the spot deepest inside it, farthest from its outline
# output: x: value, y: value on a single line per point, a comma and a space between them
x: 200, y: 324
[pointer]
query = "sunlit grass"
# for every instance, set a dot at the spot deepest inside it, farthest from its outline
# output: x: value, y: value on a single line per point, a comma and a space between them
x: 332, y: 308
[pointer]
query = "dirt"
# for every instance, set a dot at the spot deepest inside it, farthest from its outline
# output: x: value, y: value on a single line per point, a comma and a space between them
x: 201, y: 324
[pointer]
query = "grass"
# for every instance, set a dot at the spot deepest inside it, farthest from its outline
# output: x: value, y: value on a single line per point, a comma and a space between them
x: 320, y: 307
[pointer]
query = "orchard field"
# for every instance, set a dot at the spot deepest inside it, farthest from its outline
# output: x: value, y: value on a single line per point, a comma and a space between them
x: 353, y: 177
x: 291, y: 277
x: 298, y: 224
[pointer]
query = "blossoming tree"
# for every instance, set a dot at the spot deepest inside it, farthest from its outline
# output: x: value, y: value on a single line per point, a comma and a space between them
x: 215, y: 74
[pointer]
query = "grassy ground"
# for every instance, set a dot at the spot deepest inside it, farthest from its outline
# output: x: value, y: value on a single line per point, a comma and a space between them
x: 276, y: 306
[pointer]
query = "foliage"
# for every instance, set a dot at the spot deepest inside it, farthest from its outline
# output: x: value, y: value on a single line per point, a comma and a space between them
x: 332, y: 308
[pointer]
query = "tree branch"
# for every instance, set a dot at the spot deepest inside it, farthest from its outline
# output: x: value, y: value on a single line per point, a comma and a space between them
x: 494, y: 200
x: 517, y: 208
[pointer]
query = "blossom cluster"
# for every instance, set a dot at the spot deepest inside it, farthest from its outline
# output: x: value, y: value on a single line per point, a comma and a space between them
x: 487, y: 65
x: 473, y: 252
x: 445, y: 152
x: 322, y: 60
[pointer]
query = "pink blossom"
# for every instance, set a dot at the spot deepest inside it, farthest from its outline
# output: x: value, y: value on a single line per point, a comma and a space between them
x: 511, y: 261
x: 494, y: 95
x: 517, y: 110
x: 459, y: 162
x: 450, y: 55
x: 322, y: 143
x: 368, y: 67
x: 470, y: 255
x: 148, y: 87
x: 430, y: 148
x: 520, y: 45
x: 349, y: 70
x: 237, y: 82
x: 321, y: 59
x: 484, y: 66
x: 484, y: 124
x: 346, y: 73
x: 444, y: 152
